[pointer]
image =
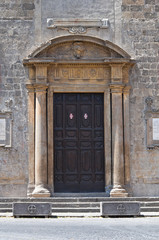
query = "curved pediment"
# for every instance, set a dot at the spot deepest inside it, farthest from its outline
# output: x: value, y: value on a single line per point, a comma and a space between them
x: 78, y: 48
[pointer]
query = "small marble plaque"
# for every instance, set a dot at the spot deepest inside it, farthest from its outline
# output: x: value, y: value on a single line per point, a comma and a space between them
x: 155, y: 125
x: 2, y: 129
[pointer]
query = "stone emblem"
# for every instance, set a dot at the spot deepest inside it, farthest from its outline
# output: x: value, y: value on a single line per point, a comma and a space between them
x: 78, y: 49
x: 121, y: 208
x: 149, y: 102
x: 32, y: 209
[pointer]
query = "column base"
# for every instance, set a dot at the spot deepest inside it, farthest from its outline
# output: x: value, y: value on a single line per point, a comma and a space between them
x: 30, y: 189
x: 41, y: 191
x: 118, y: 191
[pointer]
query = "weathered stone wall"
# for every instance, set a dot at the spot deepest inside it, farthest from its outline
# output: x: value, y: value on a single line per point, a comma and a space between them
x: 140, y: 19
x: 16, y: 38
x: 134, y: 26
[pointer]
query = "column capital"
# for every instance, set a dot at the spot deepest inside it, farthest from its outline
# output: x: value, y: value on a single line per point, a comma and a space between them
x: 117, y: 88
x: 30, y: 88
x: 127, y: 89
x: 40, y: 87
x: 36, y: 87
x: 117, y: 64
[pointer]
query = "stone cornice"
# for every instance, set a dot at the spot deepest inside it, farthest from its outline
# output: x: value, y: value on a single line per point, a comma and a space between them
x: 77, y: 26
x: 48, y: 61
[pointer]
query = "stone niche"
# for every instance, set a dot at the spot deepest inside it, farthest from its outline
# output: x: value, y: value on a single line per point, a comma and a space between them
x: 78, y: 64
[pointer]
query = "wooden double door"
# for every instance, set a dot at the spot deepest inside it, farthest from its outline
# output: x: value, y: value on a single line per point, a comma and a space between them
x: 79, y: 142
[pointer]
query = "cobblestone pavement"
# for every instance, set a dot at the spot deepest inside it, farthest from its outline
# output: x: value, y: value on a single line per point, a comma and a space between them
x: 79, y: 228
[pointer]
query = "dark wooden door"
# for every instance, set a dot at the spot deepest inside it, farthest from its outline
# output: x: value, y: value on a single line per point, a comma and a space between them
x: 79, y: 142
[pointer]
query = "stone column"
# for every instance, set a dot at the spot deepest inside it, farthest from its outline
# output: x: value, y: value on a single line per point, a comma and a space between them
x: 31, y: 143
x: 126, y: 94
x: 31, y: 129
x: 117, y: 141
x: 41, y: 187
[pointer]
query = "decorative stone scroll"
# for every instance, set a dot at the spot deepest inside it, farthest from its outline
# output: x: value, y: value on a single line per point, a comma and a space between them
x: 152, y: 125
x: 5, y: 129
x: 77, y: 26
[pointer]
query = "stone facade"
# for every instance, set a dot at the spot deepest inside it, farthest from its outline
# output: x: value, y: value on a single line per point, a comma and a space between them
x: 140, y: 28
x: 132, y: 25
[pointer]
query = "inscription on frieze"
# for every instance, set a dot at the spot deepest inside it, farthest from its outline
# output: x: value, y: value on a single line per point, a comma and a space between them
x: 74, y: 73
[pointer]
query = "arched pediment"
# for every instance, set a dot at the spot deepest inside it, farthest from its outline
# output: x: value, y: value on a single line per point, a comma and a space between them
x: 78, y: 48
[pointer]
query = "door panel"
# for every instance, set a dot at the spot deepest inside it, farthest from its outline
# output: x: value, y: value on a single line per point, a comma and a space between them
x: 79, y: 142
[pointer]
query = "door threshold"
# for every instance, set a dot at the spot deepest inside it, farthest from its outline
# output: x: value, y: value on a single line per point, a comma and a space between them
x: 95, y: 194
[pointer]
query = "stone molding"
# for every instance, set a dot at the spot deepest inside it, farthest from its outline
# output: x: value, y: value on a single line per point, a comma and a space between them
x: 77, y: 26
x: 65, y: 39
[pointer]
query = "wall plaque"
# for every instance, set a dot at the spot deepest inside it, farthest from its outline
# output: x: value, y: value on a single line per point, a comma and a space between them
x: 2, y: 129
x: 152, y: 125
x: 5, y: 129
x: 155, y: 126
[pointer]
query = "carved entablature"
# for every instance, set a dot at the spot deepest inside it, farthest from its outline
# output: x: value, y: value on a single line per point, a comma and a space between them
x: 79, y: 73
x: 79, y: 60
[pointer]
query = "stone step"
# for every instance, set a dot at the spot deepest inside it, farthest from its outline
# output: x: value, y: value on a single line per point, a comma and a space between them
x: 5, y: 210
x: 149, y: 209
x: 149, y: 204
x: 79, y: 199
x: 81, y: 205
x: 75, y: 205
x: 5, y: 205
x: 75, y: 210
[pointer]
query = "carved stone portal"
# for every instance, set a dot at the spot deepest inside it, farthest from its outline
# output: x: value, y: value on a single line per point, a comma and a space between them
x: 77, y: 64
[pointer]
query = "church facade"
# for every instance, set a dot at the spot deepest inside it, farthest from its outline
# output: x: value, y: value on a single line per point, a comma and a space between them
x: 79, y: 98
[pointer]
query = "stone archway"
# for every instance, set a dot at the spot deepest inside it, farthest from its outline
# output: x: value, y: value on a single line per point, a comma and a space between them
x: 77, y: 64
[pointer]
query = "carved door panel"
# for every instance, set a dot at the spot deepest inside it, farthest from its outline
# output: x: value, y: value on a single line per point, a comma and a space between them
x: 78, y: 142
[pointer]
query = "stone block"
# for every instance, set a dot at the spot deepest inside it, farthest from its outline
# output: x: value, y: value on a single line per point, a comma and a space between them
x: 28, y: 6
x: 31, y: 209
x: 122, y: 208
